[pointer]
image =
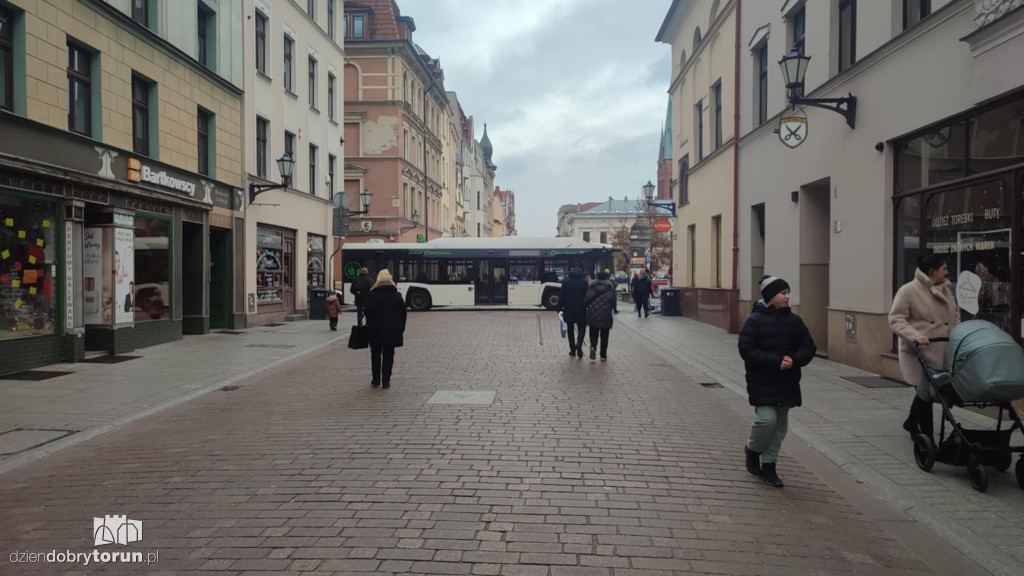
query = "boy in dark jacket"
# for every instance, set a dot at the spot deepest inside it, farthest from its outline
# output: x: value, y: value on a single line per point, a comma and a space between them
x: 774, y: 344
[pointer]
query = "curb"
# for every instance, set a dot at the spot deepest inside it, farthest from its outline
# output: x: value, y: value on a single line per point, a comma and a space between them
x: 51, y: 448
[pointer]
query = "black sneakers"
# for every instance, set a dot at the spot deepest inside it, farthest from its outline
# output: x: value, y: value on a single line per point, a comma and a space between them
x: 769, y: 476
x: 579, y: 352
x: 374, y: 383
x: 386, y: 385
x: 593, y: 353
x: 572, y: 352
x: 753, y: 461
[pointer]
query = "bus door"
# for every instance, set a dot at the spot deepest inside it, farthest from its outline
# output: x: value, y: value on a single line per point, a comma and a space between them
x: 482, y: 281
x: 499, y: 281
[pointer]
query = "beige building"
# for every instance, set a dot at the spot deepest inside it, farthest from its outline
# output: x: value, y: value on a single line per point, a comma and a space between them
x: 120, y: 169
x: 702, y: 35
x: 294, y: 105
x: 934, y: 162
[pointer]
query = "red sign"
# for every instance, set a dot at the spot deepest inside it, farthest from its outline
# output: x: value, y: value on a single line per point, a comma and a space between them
x: 662, y: 225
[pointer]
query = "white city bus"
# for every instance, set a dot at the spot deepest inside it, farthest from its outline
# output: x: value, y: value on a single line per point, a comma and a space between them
x: 507, y: 271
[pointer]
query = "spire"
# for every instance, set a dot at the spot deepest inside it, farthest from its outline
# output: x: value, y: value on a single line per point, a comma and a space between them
x: 666, y: 132
x: 485, y: 145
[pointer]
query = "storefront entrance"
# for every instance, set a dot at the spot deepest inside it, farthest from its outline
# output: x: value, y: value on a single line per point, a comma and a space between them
x: 220, y: 278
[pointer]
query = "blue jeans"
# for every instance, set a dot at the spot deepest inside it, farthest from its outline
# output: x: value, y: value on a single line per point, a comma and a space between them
x: 576, y: 340
x: 359, y: 314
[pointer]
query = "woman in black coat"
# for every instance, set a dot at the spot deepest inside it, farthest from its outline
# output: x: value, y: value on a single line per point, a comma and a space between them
x: 601, y: 304
x: 385, y: 321
x: 571, y: 303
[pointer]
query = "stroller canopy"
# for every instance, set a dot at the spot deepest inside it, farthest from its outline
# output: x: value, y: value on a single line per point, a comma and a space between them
x: 985, y: 363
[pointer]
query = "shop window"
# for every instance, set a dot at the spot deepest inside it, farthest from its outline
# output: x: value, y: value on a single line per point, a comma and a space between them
x: 275, y: 249
x: 79, y: 89
x: 907, y: 238
x: 972, y: 227
x: 152, y: 268
x: 524, y: 271
x: 932, y: 158
x: 996, y: 138
x: 316, y: 271
x: 28, y: 259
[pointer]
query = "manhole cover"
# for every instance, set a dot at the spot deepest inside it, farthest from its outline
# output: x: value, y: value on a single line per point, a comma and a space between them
x: 34, y: 375
x: 111, y: 359
x: 22, y: 439
x: 478, y: 398
x: 276, y: 346
x: 874, y: 382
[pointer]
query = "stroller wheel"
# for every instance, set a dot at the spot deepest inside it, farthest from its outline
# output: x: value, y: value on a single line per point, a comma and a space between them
x: 1020, y: 471
x: 979, y: 479
x: 924, y: 452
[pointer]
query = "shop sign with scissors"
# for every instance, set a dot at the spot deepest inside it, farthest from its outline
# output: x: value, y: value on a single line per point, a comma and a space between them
x: 793, y: 128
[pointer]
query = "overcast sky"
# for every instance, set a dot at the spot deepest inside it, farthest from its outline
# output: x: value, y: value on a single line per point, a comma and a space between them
x: 574, y: 93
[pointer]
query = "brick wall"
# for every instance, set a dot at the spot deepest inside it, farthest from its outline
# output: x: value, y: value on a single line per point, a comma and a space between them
x: 195, y: 325
x: 181, y: 88
x: 126, y: 340
x: 26, y: 353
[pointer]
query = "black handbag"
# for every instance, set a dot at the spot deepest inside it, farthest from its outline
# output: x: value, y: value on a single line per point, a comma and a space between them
x: 359, y: 338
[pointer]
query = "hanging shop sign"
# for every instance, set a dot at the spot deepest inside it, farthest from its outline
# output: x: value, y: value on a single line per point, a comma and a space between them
x: 793, y: 128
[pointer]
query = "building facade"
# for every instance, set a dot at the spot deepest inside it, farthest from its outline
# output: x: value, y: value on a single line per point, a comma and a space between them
x: 935, y: 162
x: 506, y: 199
x: 294, y: 74
x: 120, y: 175
x: 394, y: 126
x: 599, y: 221
x: 702, y: 35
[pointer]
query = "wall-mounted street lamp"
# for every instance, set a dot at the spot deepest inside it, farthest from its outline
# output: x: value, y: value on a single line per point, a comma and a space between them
x: 794, y: 67
x: 284, y: 166
x: 415, y: 223
x: 649, y: 198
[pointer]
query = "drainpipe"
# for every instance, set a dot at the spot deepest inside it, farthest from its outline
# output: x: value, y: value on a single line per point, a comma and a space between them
x: 736, y: 163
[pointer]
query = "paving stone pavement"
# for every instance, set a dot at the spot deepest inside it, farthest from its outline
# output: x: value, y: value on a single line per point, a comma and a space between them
x: 860, y: 429
x: 576, y: 468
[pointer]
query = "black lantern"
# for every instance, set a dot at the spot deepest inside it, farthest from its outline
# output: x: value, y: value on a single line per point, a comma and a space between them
x: 365, y: 196
x: 650, y: 201
x: 285, y: 164
x: 794, y: 69
x: 648, y: 191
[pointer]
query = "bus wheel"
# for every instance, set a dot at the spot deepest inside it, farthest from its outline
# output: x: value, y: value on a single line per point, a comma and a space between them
x: 551, y: 300
x: 419, y: 301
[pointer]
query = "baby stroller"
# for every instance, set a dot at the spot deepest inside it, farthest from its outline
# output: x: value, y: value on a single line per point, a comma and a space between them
x: 985, y: 368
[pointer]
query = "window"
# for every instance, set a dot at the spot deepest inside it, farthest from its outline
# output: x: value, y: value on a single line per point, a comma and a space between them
x: 405, y: 86
x: 205, y: 36
x: 205, y: 124
x: 716, y: 235
x: 312, y: 82
x: 604, y: 237
x: 478, y: 199
x: 345, y: 24
x: 524, y: 270
x: 79, y: 89
x: 152, y: 268
x: 799, y: 37
x: 405, y: 200
x: 331, y: 161
x: 6, y: 59
x: 478, y: 230
x: 140, y: 12
x: 692, y: 229
x: 261, y: 43
x: 684, y: 181
x: 28, y: 293
x: 331, y: 28
x: 311, y: 9
x: 914, y: 11
x: 316, y: 271
x: 696, y: 39
x: 357, y: 26
x: 716, y: 92
x: 288, y: 66
x: 140, y: 115
x: 405, y: 144
x: 762, y: 84
x: 289, y: 145
x: 261, y: 147
x: 330, y: 95
x: 312, y: 169
x: 847, y: 33
x: 275, y: 258
x: 586, y: 236
x: 700, y: 130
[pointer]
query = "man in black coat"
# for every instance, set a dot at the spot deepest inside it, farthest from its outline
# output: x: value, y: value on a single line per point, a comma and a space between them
x: 360, y: 290
x: 642, y: 290
x: 601, y: 304
x: 385, y: 322
x: 774, y: 344
x: 571, y: 303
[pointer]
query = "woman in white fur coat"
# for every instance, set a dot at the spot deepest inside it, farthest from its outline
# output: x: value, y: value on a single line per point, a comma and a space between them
x: 923, y: 308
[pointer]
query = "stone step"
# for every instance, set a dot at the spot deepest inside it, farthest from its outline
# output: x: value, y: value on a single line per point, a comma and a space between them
x: 295, y: 318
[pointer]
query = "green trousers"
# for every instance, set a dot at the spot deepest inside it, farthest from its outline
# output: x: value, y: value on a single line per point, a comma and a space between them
x: 768, y: 431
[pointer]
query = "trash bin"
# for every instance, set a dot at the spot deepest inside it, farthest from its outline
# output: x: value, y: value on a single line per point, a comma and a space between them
x: 318, y: 303
x: 671, y: 301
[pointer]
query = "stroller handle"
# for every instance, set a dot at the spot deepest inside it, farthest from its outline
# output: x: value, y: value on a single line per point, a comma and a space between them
x: 918, y: 345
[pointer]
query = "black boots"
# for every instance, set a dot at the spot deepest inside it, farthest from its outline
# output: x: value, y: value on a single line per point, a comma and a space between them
x: 769, y: 476
x: 572, y: 352
x: 593, y: 353
x: 921, y: 419
x: 753, y: 461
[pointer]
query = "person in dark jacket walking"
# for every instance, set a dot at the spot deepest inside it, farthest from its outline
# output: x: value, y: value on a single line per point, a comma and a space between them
x: 601, y: 303
x: 774, y: 344
x: 642, y: 290
x: 385, y: 322
x: 571, y: 303
x: 361, y: 289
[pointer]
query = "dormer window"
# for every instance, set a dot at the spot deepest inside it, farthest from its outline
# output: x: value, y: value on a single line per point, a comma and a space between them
x: 355, y: 25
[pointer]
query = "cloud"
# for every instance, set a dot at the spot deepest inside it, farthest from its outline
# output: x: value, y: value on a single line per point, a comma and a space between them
x: 573, y: 93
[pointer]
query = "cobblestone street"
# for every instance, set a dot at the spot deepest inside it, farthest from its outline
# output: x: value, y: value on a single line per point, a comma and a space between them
x: 629, y: 467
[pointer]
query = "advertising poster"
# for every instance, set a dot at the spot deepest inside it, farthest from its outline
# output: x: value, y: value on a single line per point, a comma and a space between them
x: 92, y: 273
x: 124, y: 275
